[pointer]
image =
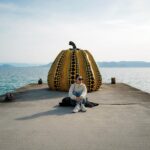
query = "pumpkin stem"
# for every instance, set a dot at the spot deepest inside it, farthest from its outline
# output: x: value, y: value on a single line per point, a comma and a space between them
x: 73, y: 45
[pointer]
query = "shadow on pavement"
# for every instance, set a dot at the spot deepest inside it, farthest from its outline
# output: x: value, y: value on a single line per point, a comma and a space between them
x: 39, y: 94
x: 56, y: 111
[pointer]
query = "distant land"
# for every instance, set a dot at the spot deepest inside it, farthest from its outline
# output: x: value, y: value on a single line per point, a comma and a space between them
x: 124, y: 64
x: 112, y: 64
x: 6, y: 66
x: 19, y: 65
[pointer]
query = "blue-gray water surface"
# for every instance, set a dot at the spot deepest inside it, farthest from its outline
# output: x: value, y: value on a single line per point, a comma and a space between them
x: 12, y: 78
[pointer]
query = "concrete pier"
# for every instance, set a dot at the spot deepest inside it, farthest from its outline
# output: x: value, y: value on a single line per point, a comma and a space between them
x: 35, y: 122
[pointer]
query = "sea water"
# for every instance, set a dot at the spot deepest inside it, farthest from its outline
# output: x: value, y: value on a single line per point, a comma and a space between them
x: 12, y: 78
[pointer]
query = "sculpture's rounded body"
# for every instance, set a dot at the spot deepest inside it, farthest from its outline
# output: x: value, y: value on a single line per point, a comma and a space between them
x: 69, y: 63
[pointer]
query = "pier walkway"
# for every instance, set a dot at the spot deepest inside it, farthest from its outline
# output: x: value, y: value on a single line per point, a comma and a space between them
x: 35, y: 122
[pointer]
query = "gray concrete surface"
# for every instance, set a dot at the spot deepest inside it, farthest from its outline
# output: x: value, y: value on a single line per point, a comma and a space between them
x: 35, y: 122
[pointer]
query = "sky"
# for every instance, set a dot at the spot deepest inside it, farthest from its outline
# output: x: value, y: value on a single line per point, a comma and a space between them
x: 35, y: 31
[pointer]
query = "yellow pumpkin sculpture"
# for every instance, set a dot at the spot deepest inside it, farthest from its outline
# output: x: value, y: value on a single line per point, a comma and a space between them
x: 68, y: 64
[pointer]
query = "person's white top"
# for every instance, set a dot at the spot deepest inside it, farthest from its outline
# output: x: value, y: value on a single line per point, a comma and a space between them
x: 78, y: 88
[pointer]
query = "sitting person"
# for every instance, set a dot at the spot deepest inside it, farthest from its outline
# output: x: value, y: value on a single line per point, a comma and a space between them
x: 78, y: 93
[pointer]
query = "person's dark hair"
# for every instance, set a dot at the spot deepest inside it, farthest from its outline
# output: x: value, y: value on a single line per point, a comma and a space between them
x: 77, y: 76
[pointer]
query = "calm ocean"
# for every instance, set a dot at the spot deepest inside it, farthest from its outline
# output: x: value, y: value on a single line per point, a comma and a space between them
x: 12, y: 78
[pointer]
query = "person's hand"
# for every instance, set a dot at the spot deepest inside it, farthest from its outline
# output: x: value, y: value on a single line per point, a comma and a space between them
x: 78, y: 98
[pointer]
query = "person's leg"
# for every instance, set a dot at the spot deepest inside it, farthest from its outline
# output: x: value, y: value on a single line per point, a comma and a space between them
x: 77, y: 108
x: 77, y: 105
x: 80, y: 106
x: 83, y: 108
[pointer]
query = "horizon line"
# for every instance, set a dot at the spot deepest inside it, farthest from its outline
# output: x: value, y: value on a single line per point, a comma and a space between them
x: 95, y: 61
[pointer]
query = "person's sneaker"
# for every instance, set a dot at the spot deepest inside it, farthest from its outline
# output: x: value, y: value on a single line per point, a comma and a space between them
x: 83, y: 108
x: 76, y: 109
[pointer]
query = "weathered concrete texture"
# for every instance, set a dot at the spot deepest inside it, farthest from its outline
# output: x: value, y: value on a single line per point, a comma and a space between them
x: 34, y: 122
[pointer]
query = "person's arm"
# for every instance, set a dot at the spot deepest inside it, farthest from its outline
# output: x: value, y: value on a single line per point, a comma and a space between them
x: 84, y: 92
x: 71, y: 92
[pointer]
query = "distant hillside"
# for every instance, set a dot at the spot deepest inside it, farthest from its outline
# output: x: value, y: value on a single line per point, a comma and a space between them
x: 47, y: 65
x: 124, y: 64
x: 118, y: 64
x: 112, y: 64
x: 5, y: 66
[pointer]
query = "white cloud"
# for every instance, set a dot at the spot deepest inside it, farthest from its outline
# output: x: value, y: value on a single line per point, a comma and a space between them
x: 117, y: 30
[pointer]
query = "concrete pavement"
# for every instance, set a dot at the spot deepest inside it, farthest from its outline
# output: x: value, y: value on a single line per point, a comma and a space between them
x: 35, y: 122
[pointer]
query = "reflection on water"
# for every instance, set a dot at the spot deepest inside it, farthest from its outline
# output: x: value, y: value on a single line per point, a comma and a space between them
x: 12, y: 78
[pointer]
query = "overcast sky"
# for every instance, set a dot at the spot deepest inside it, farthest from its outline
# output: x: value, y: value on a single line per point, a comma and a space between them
x: 35, y: 31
